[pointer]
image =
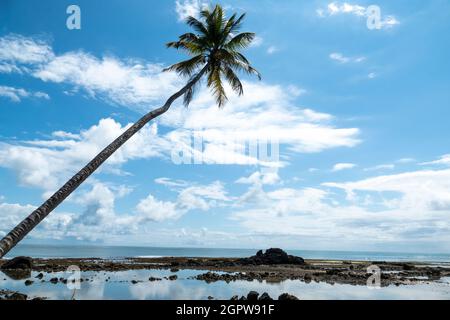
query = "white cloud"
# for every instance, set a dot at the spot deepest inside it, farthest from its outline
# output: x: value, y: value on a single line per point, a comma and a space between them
x: 343, y: 166
x: 128, y: 83
x: 372, y: 75
x: 338, y: 8
x: 401, y: 210
x: 171, y: 183
x: 17, y: 94
x: 406, y: 160
x: 381, y: 167
x: 389, y: 22
x: 19, y: 49
x: 426, y: 190
x: 187, y: 8
x: 99, y: 219
x: 339, y: 57
x: 257, y: 41
x: 265, y: 113
x: 46, y: 164
x: 272, y: 50
x: 264, y: 177
x: 154, y: 210
x: 9, y: 68
x: 443, y: 160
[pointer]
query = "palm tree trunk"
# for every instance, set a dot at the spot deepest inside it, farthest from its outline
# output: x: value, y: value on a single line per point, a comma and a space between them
x: 19, y: 232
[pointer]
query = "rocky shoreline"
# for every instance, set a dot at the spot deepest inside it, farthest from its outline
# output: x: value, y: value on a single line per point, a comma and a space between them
x: 274, y: 265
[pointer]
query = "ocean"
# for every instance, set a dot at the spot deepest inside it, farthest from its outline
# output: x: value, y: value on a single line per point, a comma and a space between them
x: 117, y: 252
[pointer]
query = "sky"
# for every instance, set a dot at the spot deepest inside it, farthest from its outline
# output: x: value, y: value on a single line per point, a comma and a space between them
x: 350, y: 120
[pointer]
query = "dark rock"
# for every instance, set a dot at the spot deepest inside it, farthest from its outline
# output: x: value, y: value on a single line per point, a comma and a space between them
x: 134, y: 281
x: 287, y: 297
x: 252, y: 296
x: 18, y: 274
x: 234, y: 298
x: 242, y: 298
x: 272, y: 257
x: 193, y: 262
x: 407, y: 267
x: 28, y: 282
x: 152, y: 279
x: 54, y: 280
x: 17, y: 296
x: 23, y: 263
x: 173, y: 277
x: 333, y: 272
x: 265, y: 297
x: 210, y: 298
x: 40, y: 276
x: 174, y: 270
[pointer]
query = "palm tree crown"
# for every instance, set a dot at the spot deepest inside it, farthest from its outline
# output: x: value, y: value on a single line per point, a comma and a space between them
x: 215, y: 51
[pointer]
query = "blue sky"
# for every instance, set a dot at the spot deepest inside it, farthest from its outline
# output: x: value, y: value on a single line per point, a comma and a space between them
x: 360, y: 116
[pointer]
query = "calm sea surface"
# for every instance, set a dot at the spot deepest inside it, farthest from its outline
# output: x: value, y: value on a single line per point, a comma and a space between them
x: 45, y: 251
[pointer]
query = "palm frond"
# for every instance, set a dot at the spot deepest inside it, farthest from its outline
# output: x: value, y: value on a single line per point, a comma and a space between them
x: 215, y: 83
x: 197, y: 25
x: 187, y: 67
x: 234, y: 81
x: 238, y: 62
x: 240, y: 41
x: 237, y: 24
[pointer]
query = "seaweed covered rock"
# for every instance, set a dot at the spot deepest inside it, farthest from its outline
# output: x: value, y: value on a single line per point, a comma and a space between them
x: 271, y: 257
x: 287, y: 297
x: 18, y: 263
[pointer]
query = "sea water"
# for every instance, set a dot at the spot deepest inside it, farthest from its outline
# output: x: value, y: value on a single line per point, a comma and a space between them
x: 116, y: 252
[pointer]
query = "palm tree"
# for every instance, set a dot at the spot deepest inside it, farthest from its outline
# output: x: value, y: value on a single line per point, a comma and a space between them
x: 214, y: 51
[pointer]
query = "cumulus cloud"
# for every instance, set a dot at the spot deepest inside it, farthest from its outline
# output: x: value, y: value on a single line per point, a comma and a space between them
x: 272, y: 50
x: 154, y: 210
x: 46, y: 164
x: 99, y: 218
x: 266, y: 113
x: 264, y: 177
x: 126, y: 82
x: 189, y: 8
x: 338, y: 8
x: 121, y: 82
x: 400, y: 209
x: 17, y: 94
x: 381, y: 167
x: 343, y: 166
x: 427, y: 189
x: 339, y: 57
x: 19, y: 49
x: 443, y: 160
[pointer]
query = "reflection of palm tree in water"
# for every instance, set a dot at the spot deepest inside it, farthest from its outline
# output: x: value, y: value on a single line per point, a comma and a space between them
x: 73, y: 294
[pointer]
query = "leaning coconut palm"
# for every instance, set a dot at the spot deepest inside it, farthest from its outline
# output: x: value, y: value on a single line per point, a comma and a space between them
x: 215, y: 54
